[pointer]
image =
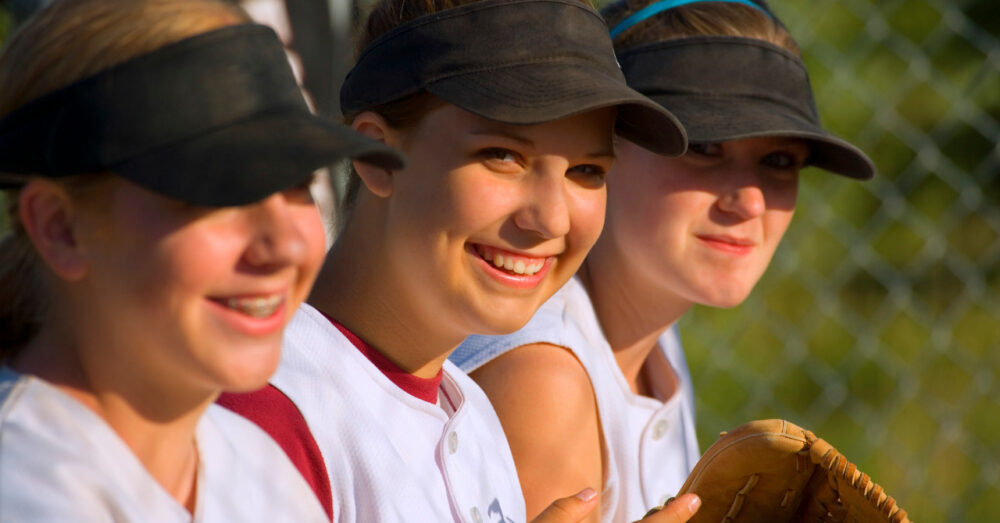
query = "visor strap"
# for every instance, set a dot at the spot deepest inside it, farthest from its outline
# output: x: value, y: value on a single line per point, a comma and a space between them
x: 663, y: 5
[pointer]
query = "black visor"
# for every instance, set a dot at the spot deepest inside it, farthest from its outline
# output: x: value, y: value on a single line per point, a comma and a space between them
x: 216, y: 119
x: 512, y: 61
x: 727, y: 88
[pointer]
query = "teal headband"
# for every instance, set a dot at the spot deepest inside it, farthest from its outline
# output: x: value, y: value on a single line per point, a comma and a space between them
x: 664, y: 5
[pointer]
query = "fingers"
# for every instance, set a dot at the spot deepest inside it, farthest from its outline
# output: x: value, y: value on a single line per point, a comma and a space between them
x: 679, y: 510
x: 572, y: 509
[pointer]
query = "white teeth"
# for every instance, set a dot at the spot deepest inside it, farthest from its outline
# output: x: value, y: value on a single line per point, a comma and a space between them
x: 515, y: 266
x: 258, y: 306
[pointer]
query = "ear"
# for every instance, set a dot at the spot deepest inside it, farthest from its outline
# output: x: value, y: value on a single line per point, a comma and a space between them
x: 48, y: 216
x: 374, y: 126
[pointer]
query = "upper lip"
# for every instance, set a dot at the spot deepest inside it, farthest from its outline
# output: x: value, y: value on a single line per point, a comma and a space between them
x: 725, y: 238
x: 251, y: 294
x: 505, y: 250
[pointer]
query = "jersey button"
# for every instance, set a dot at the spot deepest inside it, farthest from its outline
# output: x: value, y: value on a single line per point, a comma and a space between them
x: 476, y: 516
x: 453, y: 442
x: 659, y: 429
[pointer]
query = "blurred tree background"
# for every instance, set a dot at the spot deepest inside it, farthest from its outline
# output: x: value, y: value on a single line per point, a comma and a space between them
x: 878, y: 324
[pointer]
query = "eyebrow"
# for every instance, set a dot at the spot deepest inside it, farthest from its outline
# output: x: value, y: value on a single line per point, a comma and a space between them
x: 603, y: 153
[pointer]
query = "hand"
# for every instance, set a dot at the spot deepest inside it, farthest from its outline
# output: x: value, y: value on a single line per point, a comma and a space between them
x: 574, y: 509
x: 677, y: 510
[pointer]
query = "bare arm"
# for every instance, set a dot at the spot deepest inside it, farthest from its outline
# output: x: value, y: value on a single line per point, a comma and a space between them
x: 546, y: 405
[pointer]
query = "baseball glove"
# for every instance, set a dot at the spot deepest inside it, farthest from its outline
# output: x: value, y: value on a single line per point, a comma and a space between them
x: 773, y: 470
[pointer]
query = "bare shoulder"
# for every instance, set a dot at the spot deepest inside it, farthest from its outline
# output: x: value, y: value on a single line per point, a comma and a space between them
x: 535, y: 376
x: 545, y: 402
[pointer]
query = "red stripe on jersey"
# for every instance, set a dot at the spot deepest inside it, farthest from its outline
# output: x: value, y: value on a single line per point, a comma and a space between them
x: 448, y: 397
x: 277, y: 415
x: 420, y: 388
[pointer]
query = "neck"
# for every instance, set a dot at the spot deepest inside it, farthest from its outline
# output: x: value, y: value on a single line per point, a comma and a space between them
x: 155, y: 418
x: 632, y: 310
x: 363, y: 292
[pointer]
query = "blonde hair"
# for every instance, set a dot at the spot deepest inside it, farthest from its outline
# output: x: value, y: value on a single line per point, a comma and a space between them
x: 61, y: 44
x: 697, y: 19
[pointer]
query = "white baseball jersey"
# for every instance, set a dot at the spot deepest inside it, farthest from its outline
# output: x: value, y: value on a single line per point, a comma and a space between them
x: 60, y: 462
x: 650, y: 444
x: 392, y: 456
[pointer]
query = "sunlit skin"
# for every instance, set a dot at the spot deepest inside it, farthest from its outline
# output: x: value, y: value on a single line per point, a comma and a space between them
x: 159, y: 305
x: 700, y: 228
x: 408, y: 274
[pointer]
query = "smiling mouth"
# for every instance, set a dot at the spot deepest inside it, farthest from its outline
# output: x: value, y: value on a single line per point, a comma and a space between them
x: 255, y: 306
x: 729, y: 244
x: 510, y: 262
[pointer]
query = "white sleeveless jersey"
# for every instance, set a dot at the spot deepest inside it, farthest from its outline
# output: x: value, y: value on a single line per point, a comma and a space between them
x: 60, y: 462
x: 391, y: 456
x: 650, y: 445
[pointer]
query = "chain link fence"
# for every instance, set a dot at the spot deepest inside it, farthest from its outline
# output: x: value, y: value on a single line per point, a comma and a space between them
x: 878, y: 324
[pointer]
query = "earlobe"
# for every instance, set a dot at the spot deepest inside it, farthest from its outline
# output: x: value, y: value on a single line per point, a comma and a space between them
x: 375, y: 179
x: 47, y: 214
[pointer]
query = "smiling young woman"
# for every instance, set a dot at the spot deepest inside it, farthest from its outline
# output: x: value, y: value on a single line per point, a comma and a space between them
x: 166, y: 234
x: 597, y: 380
x: 506, y: 111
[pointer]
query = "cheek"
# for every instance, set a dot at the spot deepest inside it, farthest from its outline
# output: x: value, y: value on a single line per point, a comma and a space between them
x: 776, y: 223
x: 780, y: 210
x: 310, y: 225
x: 587, y: 212
x: 194, y: 259
x: 477, y: 200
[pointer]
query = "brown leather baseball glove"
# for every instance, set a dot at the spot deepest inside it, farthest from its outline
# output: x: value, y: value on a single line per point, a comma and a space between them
x: 773, y: 470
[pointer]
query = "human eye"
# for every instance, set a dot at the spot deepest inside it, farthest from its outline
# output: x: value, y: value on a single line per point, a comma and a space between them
x: 705, y: 149
x: 780, y: 160
x: 500, y: 159
x: 588, y: 175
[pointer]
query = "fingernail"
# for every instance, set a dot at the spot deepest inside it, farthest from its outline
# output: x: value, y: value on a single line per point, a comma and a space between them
x: 694, y: 504
x: 586, y: 494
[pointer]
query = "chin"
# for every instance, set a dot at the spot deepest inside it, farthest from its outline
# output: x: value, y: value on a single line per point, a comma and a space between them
x: 497, y: 324
x: 725, y: 300
x: 251, y: 368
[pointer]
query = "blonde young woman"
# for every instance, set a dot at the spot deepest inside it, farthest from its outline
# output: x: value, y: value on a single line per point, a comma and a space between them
x: 505, y: 110
x: 595, y: 388
x: 157, y: 155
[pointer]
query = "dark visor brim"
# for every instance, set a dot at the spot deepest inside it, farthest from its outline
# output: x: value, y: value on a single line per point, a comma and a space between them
x: 253, y: 159
x: 531, y: 94
x: 513, y: 61
x: 216, y: 119
x: 717, y: 120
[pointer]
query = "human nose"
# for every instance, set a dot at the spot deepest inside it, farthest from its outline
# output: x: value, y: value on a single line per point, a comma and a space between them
x: 546, y: 210
x: 279, y: 240
x: 744, y: 197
